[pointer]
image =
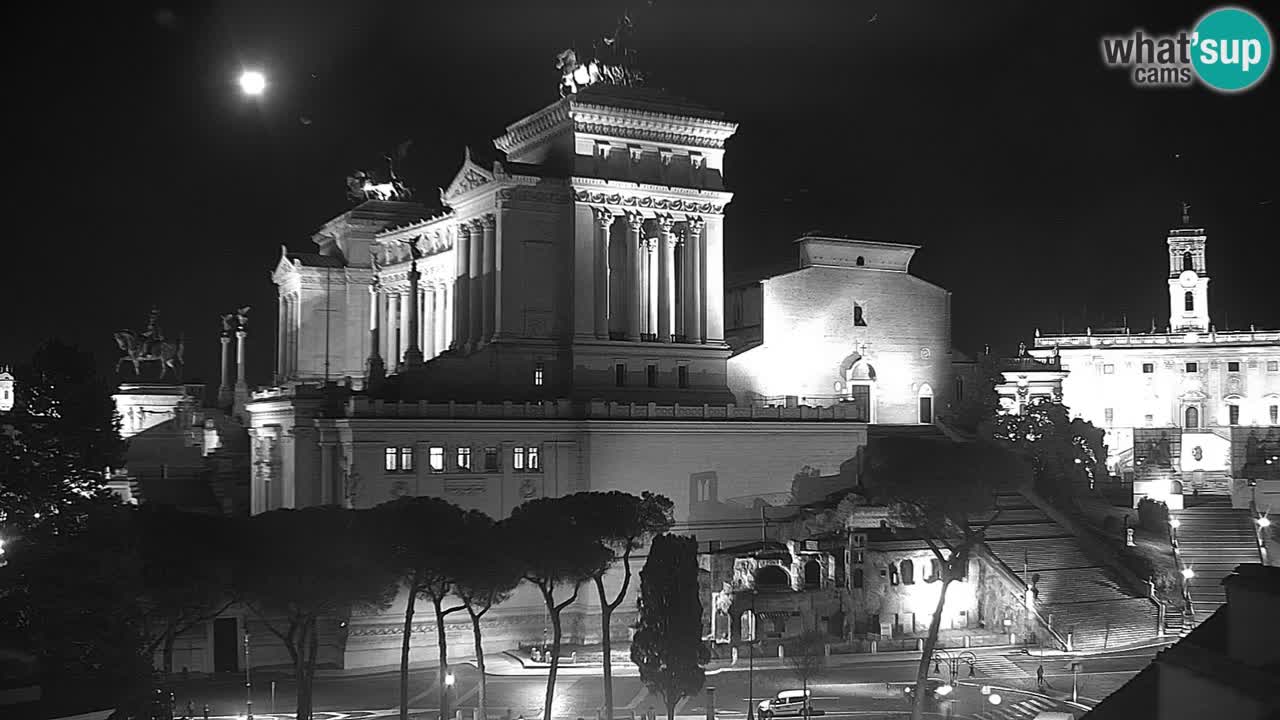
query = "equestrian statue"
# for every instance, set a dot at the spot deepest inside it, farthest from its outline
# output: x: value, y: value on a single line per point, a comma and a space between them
x: 150, y: 346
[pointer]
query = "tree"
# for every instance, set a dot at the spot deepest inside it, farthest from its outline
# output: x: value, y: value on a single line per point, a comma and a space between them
x: 935, y: 487
x: 806, y: 656
x: 980, y: 402
x: 623, y: 523
x: 668, y: 646
x: 423, y: 536
x: 187, y: 565
x: 1065, y: 454
x: 317, y: 562
x: 487, y: 574
x: 555, y: 550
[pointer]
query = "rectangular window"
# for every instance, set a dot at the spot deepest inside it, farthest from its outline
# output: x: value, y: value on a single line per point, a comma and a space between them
x: 1109, y: 415
x: 1233, y: 414
x: 464, y: 458
x: 391, y: 463
x: 1108, y: 369
x: 534, y: 461
x: 682, y: 376
x: 406, y: 459
x: 1148, y: 368
x: 1149, y: 419
x: 538, y: 376
x: 490, y: 459
x: 1273, y: 366
x: 620, y: 374
x: 435, y: 457
x: 1193, y: 367
x: 1275, y: 414
x: 1233, y: 366
x: 517, y: 459
x: 651, y: 375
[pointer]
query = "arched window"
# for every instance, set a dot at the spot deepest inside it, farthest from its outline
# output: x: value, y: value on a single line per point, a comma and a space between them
x: 1192, y: 418
x: 772, y: 577
x: 1188, y: 263
x: 935, y: 571
x: 861, y: 261
x: 858, y: 319
x: 858, y: 578
x: 1175, y: 487
x: 812, y: 574
x: 925, y: 398
x: 908, y: 572
x: 1188, y: 301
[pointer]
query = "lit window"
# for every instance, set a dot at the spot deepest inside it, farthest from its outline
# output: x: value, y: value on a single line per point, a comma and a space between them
x: 858, y: 319
x: 464, y: 458
x: 1108, y: 369
x: 1233, y: 414
x: 1109, y: 415
x: 435, y: 457
x: 490, y: 459
x: 651, y: 375
x: 406, y: 459
x: 620, y: 374
x: 525, y: 459
x: 538, y: 374
x: 534, y: 460
x: 1148, y: 368
x: 517, y: 459
x: 391, y: 463
x: 1193, y: 367
x: 1233, y: 366
x: 682, y: 376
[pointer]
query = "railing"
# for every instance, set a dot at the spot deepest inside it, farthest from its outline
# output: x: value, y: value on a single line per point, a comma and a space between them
x: 1175, y: 338
x: 564, y: 409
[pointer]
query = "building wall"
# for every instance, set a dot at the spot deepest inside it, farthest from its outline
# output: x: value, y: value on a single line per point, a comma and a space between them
x: 909, y: 606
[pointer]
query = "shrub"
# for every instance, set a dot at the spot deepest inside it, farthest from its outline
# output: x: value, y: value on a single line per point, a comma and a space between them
x: 1153, y: 515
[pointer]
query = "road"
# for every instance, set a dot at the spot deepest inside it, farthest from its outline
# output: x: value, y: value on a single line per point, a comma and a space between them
x: 863, y: 688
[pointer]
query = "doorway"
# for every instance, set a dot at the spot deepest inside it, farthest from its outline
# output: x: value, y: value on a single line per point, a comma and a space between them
x: 225, y: 644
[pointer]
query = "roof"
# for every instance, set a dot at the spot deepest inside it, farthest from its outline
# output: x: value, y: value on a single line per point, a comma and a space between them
x: 316, y: 260
x: 644, y: 98
x: 840, y: 237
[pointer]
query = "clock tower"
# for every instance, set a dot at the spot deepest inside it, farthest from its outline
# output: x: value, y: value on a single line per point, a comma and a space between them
x: 1188, y: 279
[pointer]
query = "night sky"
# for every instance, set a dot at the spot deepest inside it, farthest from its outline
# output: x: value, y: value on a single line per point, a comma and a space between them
x: 1040, y: 183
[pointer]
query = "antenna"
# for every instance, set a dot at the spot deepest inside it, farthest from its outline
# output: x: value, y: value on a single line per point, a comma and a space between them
x: 328, y: 310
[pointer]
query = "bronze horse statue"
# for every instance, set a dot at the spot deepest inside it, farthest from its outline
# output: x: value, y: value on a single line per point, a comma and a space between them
x: 137, y: 350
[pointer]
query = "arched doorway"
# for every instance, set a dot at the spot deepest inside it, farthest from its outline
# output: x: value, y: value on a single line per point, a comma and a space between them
x: 859, y: 380
x: 1191, y: 418
x: 812, y: 575
x: 772, y: 577
x: 925, y: 399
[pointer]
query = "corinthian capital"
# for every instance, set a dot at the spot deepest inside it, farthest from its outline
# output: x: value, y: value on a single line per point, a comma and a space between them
x: 694, y: 225
x: 604, y: 217
x: 488, y: 221
x: 635, y: 221
x: 665, y: 224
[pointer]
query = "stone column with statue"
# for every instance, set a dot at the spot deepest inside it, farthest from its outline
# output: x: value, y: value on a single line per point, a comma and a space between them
x: 241, y: 396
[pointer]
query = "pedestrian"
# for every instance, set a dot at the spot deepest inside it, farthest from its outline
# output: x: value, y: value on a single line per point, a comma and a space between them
x: 206, y: 711
x: 191, y: 710
x: 1040, y: 678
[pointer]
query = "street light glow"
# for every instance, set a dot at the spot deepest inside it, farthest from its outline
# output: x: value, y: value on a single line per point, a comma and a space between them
x: 448, y: 679
x: 944, y: 690
x: 1175, y: 523
x: 1188, y: 573
x: 994, y: 698
x: 252, y: 82
x: 1263, y: 521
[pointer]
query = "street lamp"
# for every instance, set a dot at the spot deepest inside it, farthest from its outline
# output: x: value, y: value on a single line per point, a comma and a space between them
x: 953, y: 667
x: 1188, y: 573
x: 1264, y: 522
x: 253, y: 83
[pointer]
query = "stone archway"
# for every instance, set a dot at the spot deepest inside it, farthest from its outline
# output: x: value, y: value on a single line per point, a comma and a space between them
x: 772, y: 577
x: 858, y: 384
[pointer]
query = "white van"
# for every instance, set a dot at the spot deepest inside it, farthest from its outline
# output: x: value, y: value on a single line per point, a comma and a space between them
x: 1054, y: 715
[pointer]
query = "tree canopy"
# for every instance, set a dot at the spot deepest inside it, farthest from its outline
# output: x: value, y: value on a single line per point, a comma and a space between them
x: 1066, y: 454
x: 668, y: 647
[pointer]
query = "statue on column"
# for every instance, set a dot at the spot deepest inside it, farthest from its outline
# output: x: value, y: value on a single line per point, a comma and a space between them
x: 228, y: 324
x: 148, y: 346
x: 242, y: 319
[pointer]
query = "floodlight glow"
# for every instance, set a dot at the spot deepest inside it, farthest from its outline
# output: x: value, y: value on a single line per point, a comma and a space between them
x: 1188, y: 573
x: 252, y: 82
x: 1263, y: 521
x: 994, y: 698
x: 944, y: 690
x: 1175, y: 523
x: 449, y: 679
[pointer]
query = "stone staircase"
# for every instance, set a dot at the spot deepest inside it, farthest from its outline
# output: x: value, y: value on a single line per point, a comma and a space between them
x: 1214, y: 538
x: 1076, y: 593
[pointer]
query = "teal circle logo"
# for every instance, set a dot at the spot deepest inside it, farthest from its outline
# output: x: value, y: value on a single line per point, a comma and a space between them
x: 1231, y: 49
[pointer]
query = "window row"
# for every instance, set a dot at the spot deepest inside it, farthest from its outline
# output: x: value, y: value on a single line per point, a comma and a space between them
x: 1233, y: 366
x: 904, y: 573
x: 650, y: 375
x: 523, y: 459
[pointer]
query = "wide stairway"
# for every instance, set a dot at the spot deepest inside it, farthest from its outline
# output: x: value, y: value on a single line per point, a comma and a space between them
x: 1214, y: 538
x: 1077, y: 594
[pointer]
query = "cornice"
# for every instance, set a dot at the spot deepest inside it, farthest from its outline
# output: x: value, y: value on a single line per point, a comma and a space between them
x: 650, y: 125
x: 535, y: 128
x: 653, y: 198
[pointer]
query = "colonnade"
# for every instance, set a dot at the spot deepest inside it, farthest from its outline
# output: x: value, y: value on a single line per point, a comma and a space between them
x: 651, y: 278
x: 390, y: 316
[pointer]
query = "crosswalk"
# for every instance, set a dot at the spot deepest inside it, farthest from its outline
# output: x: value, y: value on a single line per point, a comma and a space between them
x: 1021, y: 710
x: 998, y: 666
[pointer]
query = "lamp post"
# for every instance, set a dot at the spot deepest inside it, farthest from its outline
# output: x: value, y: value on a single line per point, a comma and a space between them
x: 751, y: 661
x: 248, y: 680
x: 953, y: 665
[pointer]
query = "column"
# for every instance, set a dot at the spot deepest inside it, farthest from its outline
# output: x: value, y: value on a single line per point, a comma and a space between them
x: 241, y: 335
x: 429, y: 322
x: 376, y: 370
x: 402, y: 324
x: 413, y: 351
x: 651, y: 286
x: 634, y: 295
x: 693, y: 267
x: 282, y: 338
x: 666, y: 272
x: 487, y: 273
x: 713, y: 279
x: 224, y: 389
x: 446, y: 316
x: 328, y: 491
x: 291, y: 336
x: 393, y: 326
x: 474, y: 290
x: 604, y: 220
x: 461, y: 287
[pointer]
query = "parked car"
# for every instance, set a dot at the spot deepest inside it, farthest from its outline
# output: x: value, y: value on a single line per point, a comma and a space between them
x: 787, y: 703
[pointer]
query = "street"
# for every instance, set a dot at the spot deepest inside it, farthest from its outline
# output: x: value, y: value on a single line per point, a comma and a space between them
x: 851, y: 686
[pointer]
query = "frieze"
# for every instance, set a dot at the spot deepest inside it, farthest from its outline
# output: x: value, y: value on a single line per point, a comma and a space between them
x: 648, y: 202
x: 664, y: 137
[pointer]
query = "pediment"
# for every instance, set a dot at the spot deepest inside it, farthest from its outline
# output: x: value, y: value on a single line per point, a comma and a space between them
x: 284, y: 266
x: 469, y: 177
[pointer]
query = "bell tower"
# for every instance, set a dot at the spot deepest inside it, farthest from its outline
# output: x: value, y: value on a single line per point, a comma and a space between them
x: 1188, y: 278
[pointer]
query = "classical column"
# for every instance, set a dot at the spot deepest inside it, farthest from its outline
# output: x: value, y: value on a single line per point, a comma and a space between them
x: 413, y: 351
x: 282, y: 340
x: 487, y: 284
x: 693, y: 269
x: 666, y: 271
x: 402, y: 325
x: 241, y: 334
x: 475, y: 307
x: 604, y: 221
x: 635, y: 292
x: 462, y: 287
x: 393, y: 326
x: 376, y: 370
x: 651, y: 286
x: 328, y: 496
x: 446, y: 317
x: 713, y: 279
x: 224, y: 389
x: 429, y: 322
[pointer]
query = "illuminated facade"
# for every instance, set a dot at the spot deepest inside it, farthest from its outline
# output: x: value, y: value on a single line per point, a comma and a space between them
x: 850, y: 328
x: 7, y: 391
x: 1194, y: 383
